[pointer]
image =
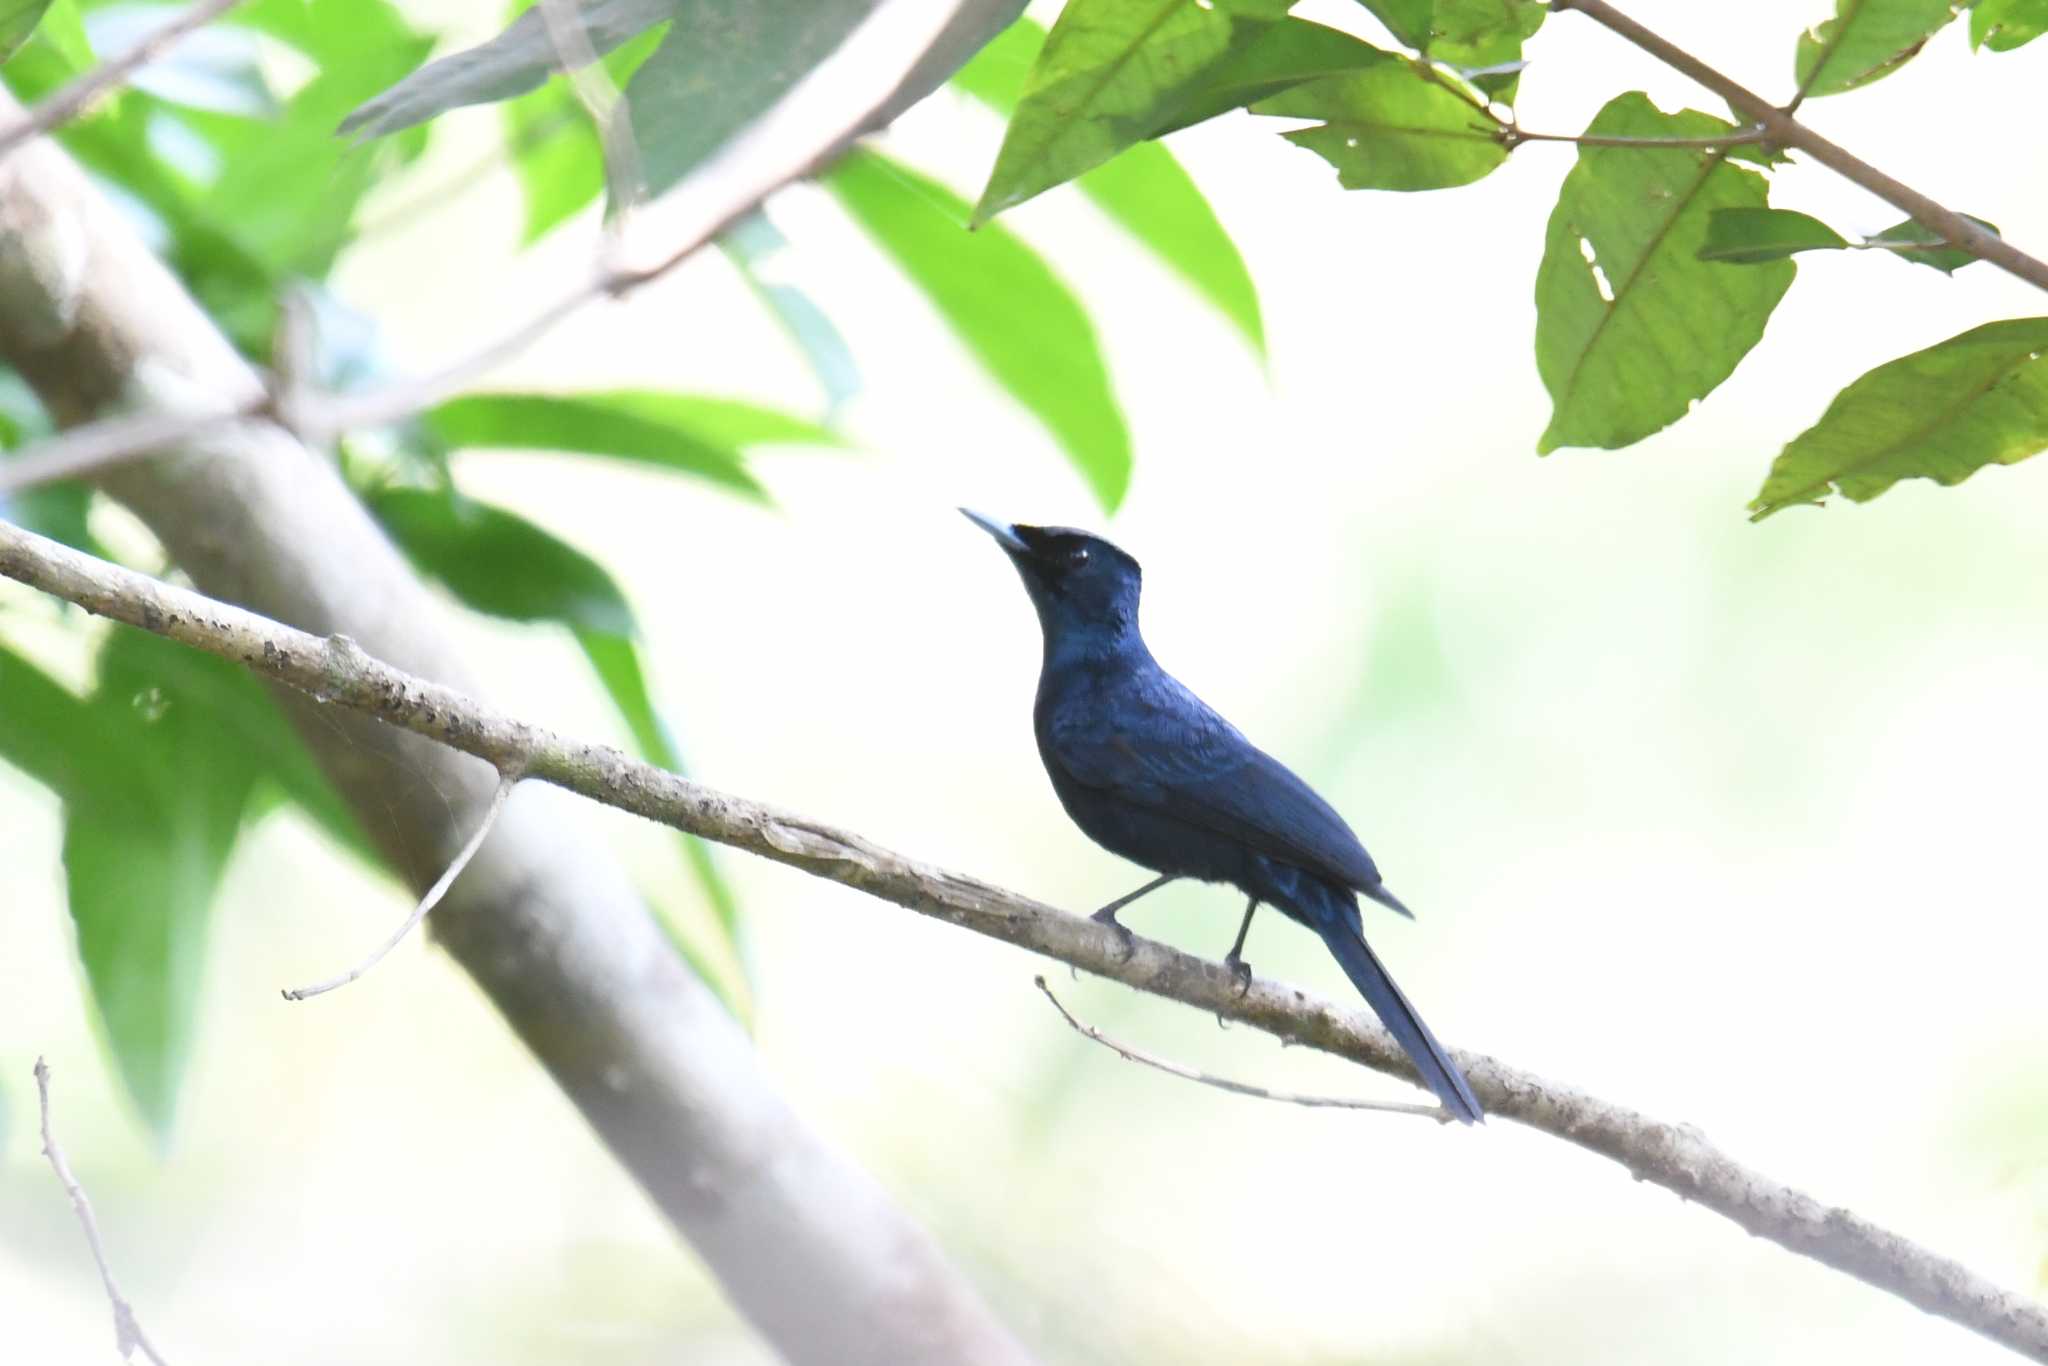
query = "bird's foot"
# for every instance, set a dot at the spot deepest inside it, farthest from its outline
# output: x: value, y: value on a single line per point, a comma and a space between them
x: 1107, y: 916
x: 1241, y: 970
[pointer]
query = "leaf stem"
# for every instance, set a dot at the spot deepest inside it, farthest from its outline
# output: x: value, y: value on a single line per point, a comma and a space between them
x: 1511, y: 137
x: 1785, y: 131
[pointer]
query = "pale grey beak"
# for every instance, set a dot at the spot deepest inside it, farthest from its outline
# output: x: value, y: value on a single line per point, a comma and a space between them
x: 1006, y: 536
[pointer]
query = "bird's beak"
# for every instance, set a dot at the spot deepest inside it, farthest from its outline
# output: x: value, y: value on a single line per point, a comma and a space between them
x: 1006, y: 535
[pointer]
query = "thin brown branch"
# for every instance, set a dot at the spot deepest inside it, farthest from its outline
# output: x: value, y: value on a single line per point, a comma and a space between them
x: 507, y: 780
x: 335, y: 671
x: 1785, y: 131
x: 73, y: 99
x: 1236, y: 1088
x: 1511, y: 137
x: 128, y: 1335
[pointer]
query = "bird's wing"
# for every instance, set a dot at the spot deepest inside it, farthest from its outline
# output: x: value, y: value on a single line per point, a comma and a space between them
x: 1166, y: 749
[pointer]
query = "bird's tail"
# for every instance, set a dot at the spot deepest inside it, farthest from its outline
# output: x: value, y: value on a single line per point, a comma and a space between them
x: 1439, y: 1073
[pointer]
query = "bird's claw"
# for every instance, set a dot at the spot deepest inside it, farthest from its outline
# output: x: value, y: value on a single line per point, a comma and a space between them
x: 1241, y: 970
x: 1107, y: 916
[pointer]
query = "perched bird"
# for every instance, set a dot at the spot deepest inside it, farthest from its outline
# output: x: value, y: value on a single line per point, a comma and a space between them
x: 1149, y: 771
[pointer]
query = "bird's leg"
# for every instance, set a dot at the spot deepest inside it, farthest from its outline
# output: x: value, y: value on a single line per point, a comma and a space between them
x: 1107, y: 915
x: 1234, y: 960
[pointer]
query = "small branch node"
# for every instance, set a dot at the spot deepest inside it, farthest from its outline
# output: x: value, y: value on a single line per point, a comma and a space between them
x: 1238, y: 1088
x: 508, y: 779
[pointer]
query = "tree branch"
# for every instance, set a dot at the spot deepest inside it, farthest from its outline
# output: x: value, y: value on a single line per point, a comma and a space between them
x: 1785, y: 131
x: 128, y: 1335
x: 338, y: 672
x: 70, y: 101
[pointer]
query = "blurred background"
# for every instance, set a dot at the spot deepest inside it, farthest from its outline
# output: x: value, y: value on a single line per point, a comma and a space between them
x: 1731, y: 823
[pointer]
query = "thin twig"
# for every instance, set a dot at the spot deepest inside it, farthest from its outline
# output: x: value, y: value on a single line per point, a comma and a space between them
x: 508, y: 779
x: 1511, y: 136
x: 128, y: 1335
x: 72, y: 99
x: 1675, y: 1156
x: 112, y: 441
x: 1786, y: 131
x: 1239, y: 1088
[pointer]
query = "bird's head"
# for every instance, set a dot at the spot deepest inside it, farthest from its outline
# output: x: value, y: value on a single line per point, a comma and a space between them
x: 1080, y: 584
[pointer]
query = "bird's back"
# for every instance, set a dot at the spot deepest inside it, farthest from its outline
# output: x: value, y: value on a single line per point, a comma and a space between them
x: 1124, y: 731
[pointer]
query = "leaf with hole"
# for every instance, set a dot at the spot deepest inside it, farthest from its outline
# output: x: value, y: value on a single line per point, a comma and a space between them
x: 1484, y: 38
x: 1751, y: 236
x: 1397, y: 125
x: 2003, y: 25
x: 1865, y: 41
x: 1631, y: 326
x: 1944, y: 413
x: 1015, y: 316
x: 1930, y: 248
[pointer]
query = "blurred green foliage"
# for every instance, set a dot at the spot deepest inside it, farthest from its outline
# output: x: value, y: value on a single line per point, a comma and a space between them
x: 226, y: 149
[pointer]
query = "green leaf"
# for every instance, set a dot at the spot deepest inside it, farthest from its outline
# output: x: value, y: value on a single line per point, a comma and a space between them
x: 617, y: 663
x: 2003, y: 25
x: 1284, y: 55
x: 217, y: 67
x: 18, y: 20
x: 555, y: 155
x: 1410, y: 21
x: 57, y: 43
x: 1007, y: 307
x: 1475, y: 35
x: 1111, y: 74
x: 675, y: 432
x: 288, y: 188
x: 54, y: 736
x: 1143, y: 188
x: 514, y: 62
x: 1943, y: 414
x: 1946, y: 259
x: 144, y: 853
x: 1865, y: 41
x: 499, y: 563
x: 1631, y: 326
x: 721, y: 65
x: 752, y: 244
x: 1396, y: 126
x: 1752, y: 236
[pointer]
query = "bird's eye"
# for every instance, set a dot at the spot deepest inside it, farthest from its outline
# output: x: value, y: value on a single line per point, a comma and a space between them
x: 1078, y: 556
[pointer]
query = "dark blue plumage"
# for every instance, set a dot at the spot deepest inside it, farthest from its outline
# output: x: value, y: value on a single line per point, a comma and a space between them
x: 1151, y: 772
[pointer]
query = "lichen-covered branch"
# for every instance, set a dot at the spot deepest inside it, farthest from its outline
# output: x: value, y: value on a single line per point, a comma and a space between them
x: 1673, y: 1156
